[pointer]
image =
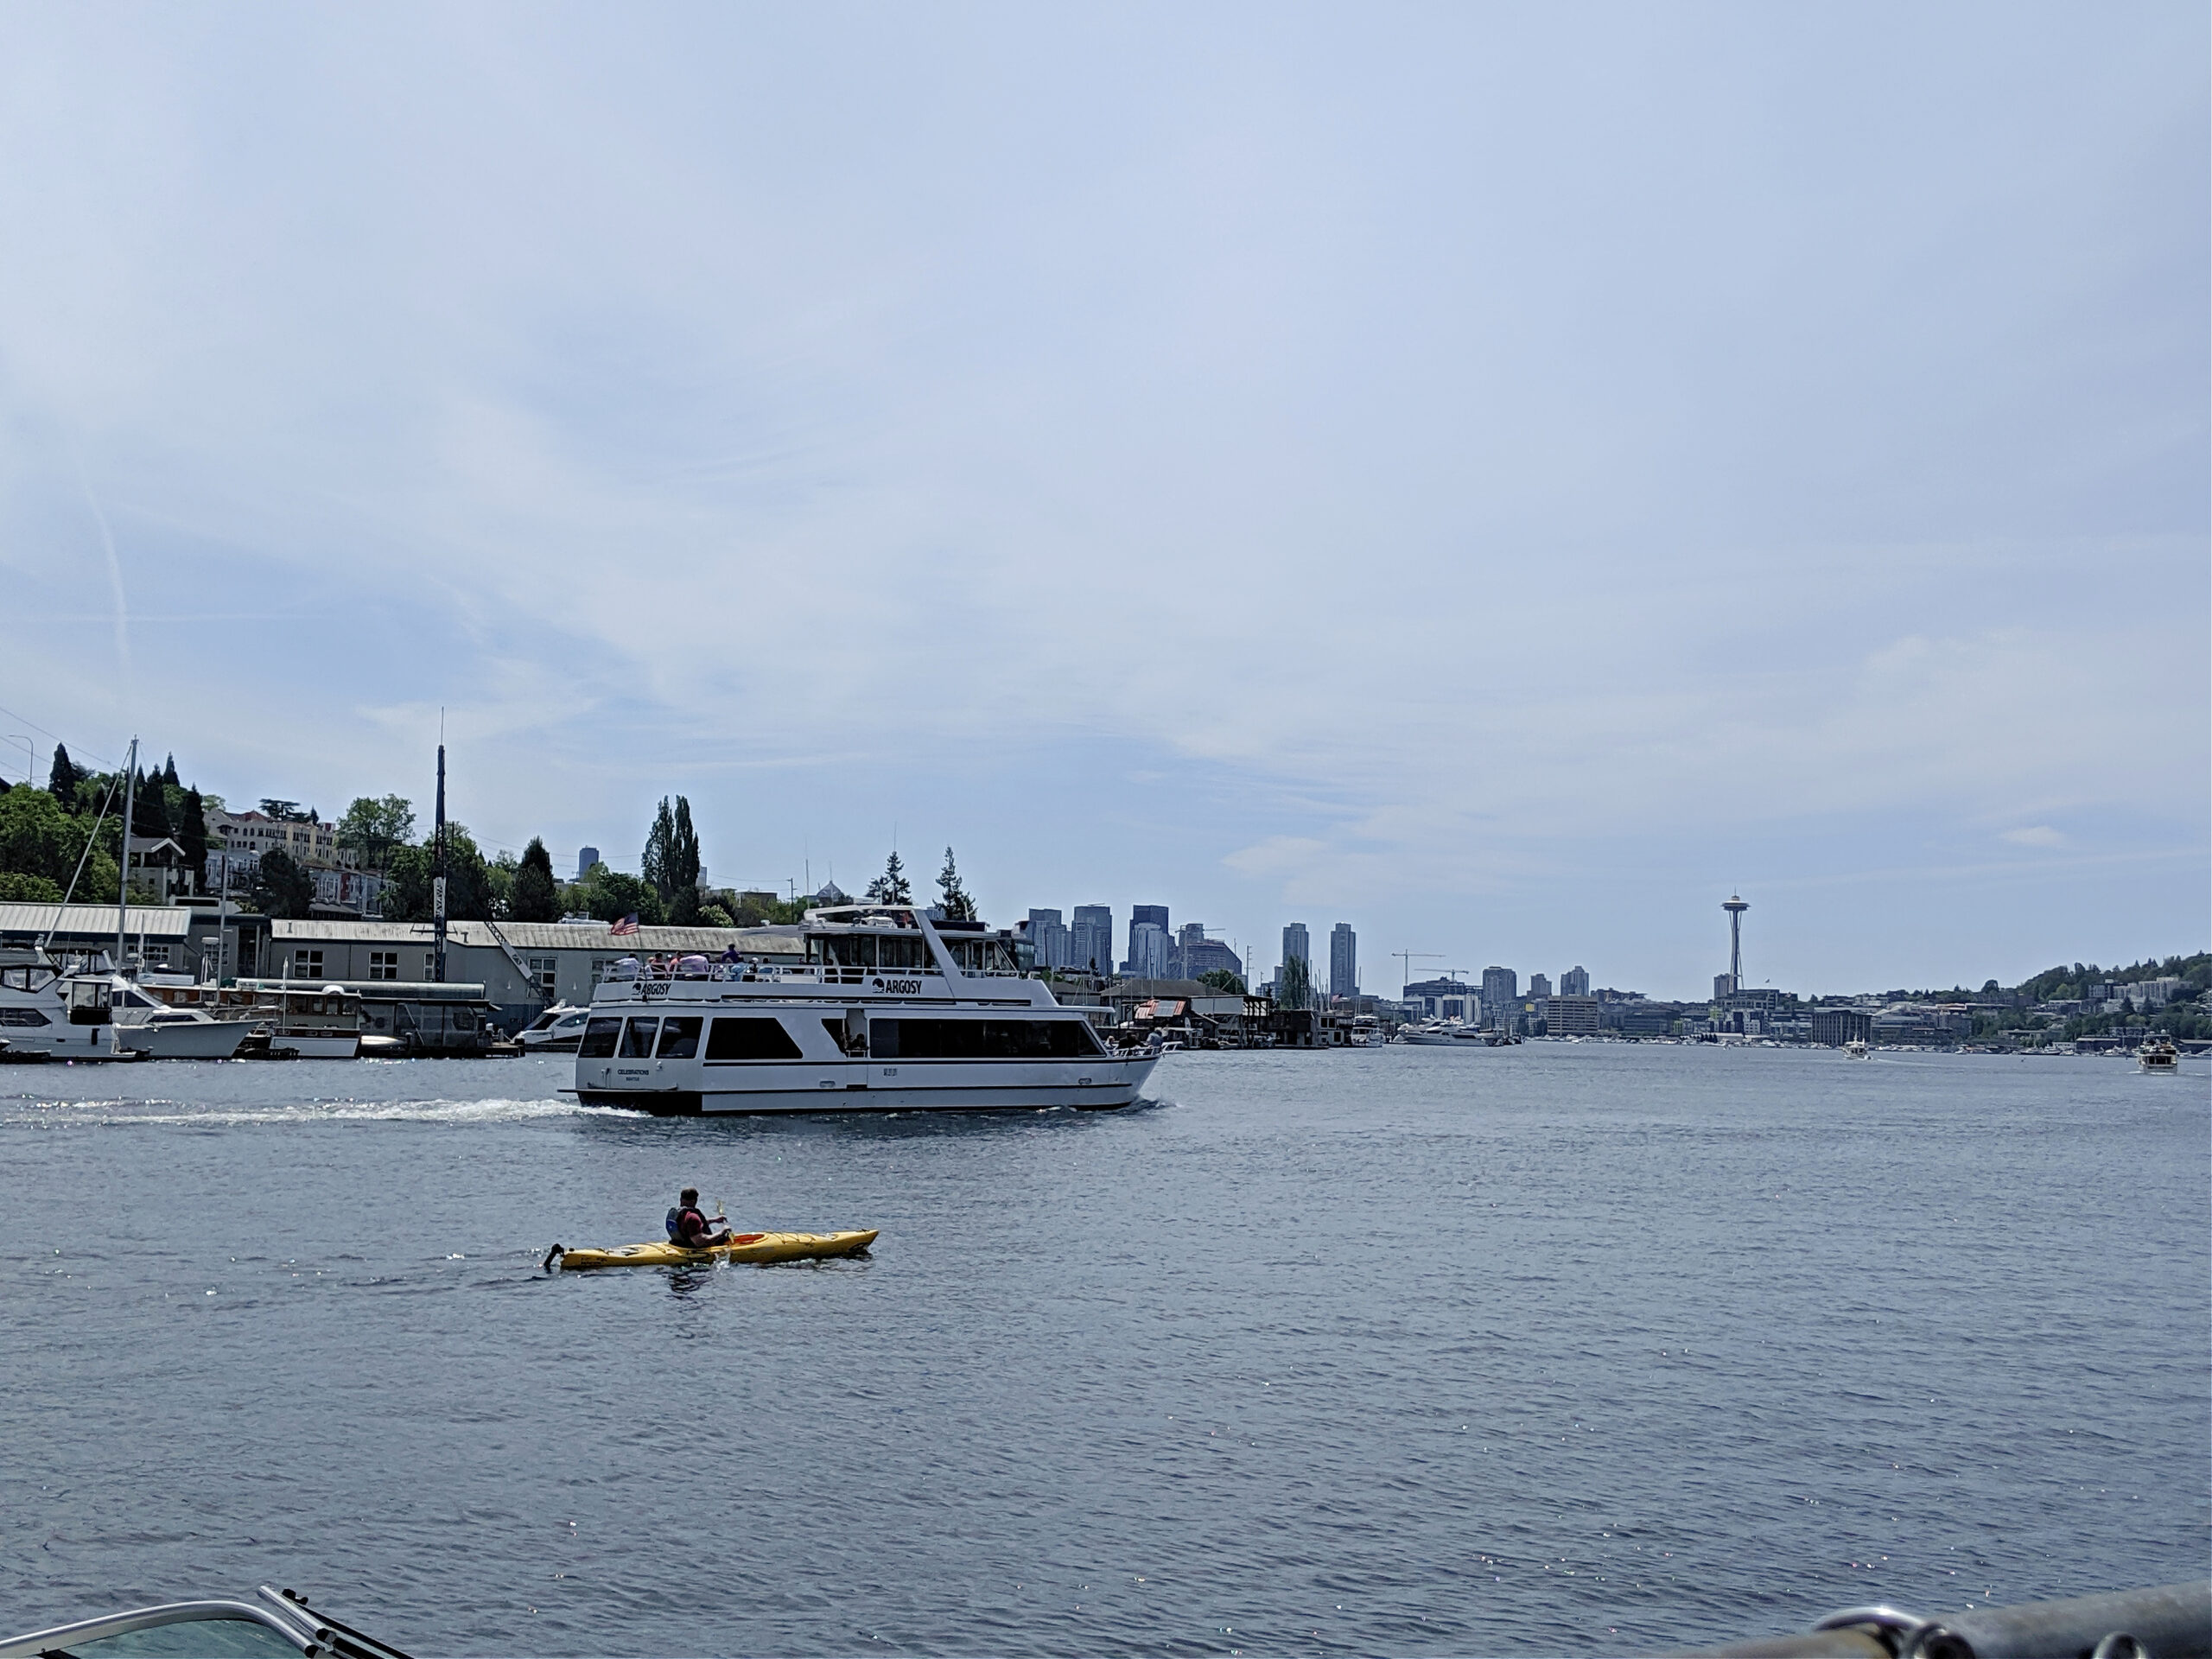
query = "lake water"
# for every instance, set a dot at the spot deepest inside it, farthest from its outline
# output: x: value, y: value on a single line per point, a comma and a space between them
x: 1564, y: 1348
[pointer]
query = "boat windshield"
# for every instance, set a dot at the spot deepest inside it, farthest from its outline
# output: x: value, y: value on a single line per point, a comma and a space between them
x: 197, y: 1639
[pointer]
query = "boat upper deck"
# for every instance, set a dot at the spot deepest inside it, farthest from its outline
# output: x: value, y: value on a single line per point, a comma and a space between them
x: 862, y: 952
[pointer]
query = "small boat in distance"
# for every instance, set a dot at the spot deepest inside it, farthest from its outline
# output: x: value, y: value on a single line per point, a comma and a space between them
x: 2159, y: 1059
x: 1856, y: 1048
x: 1453, y: 1033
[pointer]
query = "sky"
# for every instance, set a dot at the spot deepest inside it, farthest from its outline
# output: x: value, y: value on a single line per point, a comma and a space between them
x: 1504, y: 477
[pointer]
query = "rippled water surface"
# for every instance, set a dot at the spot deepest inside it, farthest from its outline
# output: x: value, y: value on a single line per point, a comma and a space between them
x: 1563, y: 1348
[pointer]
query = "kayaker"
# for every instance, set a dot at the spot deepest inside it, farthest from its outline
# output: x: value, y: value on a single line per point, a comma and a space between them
x: 688, y: 1224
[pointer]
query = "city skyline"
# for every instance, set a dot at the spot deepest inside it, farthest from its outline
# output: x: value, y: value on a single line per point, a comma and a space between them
x: 1536, y: 481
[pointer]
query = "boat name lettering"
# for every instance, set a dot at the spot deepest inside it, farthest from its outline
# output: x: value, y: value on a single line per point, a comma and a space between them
x: 904, y: 987
x: 650, y: 988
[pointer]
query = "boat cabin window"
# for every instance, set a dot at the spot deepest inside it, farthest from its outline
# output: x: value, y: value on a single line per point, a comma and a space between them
x: 983, y: 956
x: 637, y: 1039
x: 24, y: 1017
x: 679, y: 1037
x: 904, y: 953
x: 750, y: 1040
x: 981, y: 1039
x: 598, y: 1039
x: 842, y: 949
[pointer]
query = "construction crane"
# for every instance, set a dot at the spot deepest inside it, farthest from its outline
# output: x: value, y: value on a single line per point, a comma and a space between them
x: 1406, y: 977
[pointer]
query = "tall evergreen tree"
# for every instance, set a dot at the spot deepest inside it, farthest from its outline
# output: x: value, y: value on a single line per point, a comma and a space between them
x: 149, y: 813
x: 958, y: 907
x: 192, y: 834
x: 653, y: 863
x: 61, y: 782
x: 281, y: 887
x: 534, y: 897
x: 891, y: 888
x: 684, y: 866
x: 169, y: 774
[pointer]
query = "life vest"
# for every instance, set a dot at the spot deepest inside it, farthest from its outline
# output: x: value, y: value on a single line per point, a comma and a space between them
x: 675, y: 1223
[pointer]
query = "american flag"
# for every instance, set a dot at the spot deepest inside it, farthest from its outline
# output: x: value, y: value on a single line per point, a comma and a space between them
x: 627, y: 925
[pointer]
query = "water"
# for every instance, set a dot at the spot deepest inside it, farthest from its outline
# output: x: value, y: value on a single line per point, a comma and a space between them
x: 1561, y: 1349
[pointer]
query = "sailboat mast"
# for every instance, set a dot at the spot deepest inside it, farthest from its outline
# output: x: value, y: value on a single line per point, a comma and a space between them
x: 122, y: 881
x: 438, y: 881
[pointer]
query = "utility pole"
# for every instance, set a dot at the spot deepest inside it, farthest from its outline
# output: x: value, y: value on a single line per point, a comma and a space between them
x: 1406, y: 974
x: 438, y: 879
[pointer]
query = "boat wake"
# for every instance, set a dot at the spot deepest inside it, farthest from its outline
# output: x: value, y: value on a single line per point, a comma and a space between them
x: 119, y: 1113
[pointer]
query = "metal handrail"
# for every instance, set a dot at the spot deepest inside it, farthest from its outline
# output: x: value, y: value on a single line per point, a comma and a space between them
x: 2172, y: 1621
x: 145, y: 1619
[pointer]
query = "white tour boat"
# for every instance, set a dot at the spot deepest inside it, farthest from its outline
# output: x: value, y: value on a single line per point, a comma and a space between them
x: 888, y: 1011
x: 2158, y: 1058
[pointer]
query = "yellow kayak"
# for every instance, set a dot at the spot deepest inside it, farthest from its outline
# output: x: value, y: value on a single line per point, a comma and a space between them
x: 742, y: 1247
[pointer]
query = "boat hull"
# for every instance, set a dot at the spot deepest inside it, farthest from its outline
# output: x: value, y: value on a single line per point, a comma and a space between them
x: 812, y: 1094
x: 758, y: 1247
x: 341, y: 1047
x: 64, y: 1042
x: 187, y: 1040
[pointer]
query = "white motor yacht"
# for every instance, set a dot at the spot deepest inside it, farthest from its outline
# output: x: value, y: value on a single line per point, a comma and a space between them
x: 886, y: 1011
x: 45, y: 1010
x: 162, y: 1032
x: 1453, y: 1033
x: 556, y: 1031
x: 2158, y: 1058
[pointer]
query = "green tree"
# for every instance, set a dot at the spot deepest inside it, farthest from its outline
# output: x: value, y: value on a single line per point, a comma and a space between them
x: 61, y: 781
x: 609, y: 895
x: 18, y: 888
x: 958, y: 907
x: 652, y: 864
x: 670, y: 862
x: 1221, y: 980
x: 281, y: 887
x: 149, y: 813
x: 192, y: 833
x: 1295, y: 983
x: 892, y: 887
x: 535, y: 896
x: 715, y: 916
x: 408, y: 895
x: 500, y: 886
x: 37, y: 837
x: 374, y: 828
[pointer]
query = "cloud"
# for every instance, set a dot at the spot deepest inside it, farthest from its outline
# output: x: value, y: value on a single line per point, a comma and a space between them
x: 1190, y: 451
x: 2040, y: 834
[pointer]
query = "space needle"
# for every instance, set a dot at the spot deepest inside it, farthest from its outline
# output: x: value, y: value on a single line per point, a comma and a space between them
x: 1735, y: 908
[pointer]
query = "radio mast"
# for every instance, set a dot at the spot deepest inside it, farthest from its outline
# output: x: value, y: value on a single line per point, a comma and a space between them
x: 438, y: 880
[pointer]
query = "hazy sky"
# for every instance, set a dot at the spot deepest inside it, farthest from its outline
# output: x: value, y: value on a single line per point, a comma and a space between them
x: 1499, y: 476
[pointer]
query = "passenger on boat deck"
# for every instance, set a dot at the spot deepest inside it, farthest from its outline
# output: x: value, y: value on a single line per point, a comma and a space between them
x: 693, y: 1230
x: 729, y: 953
